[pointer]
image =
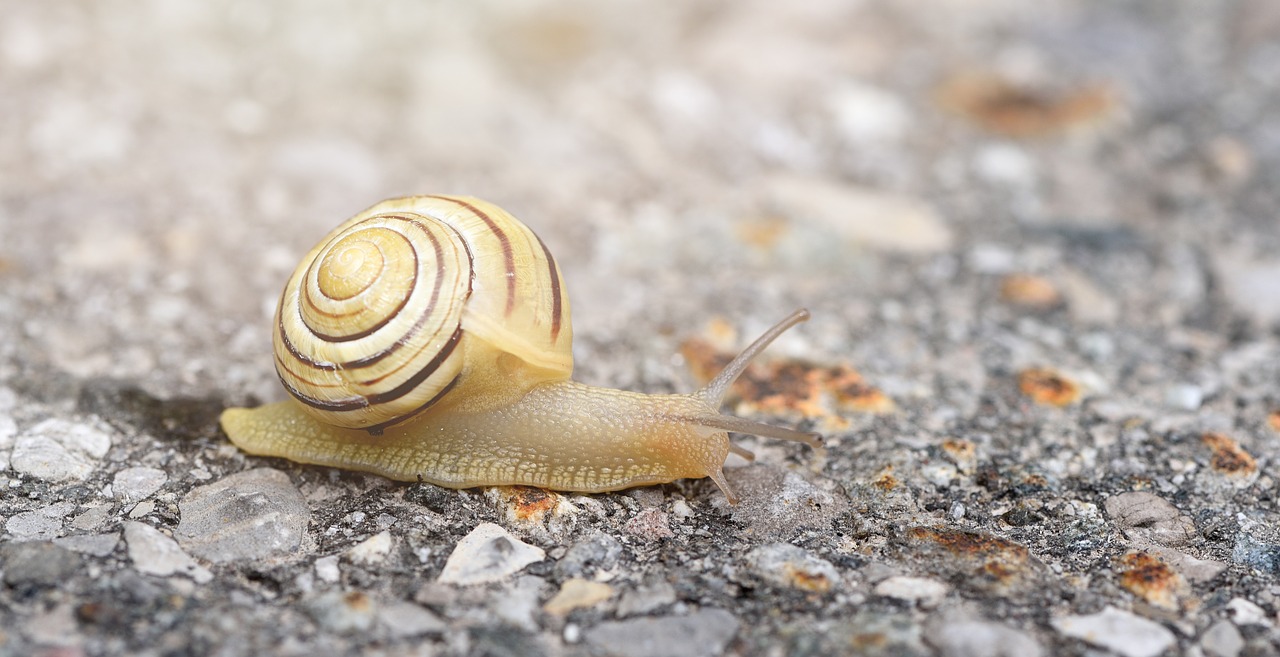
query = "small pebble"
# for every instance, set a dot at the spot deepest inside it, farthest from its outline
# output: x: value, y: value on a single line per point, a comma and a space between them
x: 649, y: 525
x: 59, y: 450
x: 1119, y: 631
x: 922, y: 591
x: 865, y: 113
x: 646, y: 599
x: 97, y: 545
x: 406, y: 620
x: 343, y: 613
x: 1249, y: 284
x: 1222, y: 639
x: 488, y: 554
x: 37, y: 564
x: 1005, y: 164
x: 154, y: 553
x: 142, y: 509
x: 136, y: 484
x: 248, y: 516
x: 93, y: 518
x: 42, y: 524
x: 704, y: 633
x: 1148, y: 517
x: 327, y: 569
x: 1200, y: 571
x: 577, y: 593
x: 55, y: 627
x: 589, y: 556
x: 865, y: 217
x: 1184, y: 397
x: 1244, y: 612
x: 777, y: 503
x: 975, y: 638
x: 372, y: 550
x: 517, y: 605
x: 793, y: 567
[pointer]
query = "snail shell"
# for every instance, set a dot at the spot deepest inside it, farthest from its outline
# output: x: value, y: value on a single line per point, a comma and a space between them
x: 428, y: 339
x: 372, y: 325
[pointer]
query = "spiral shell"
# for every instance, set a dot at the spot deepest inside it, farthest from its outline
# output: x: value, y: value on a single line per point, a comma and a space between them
x: 372, y: 324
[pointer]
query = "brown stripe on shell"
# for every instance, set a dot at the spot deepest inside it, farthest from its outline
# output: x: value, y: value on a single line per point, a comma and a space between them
x: 508, y: 256
x: 400, y: 342
x: 557, y: 310
x: 360, y: 401
x: 377, y: 429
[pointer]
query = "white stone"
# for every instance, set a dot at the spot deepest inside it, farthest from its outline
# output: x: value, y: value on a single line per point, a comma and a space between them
x: 55, y: 627
x: 1222, y: 639
x: 863, y: 217
x: 372, y: 550
x: 136, y: 484
x: 987, y: 258
x: 488, y: 554
x: 1121, y: 632
x: 1244, y: 612
x: 939, y: 474
x: 517, y: 605
x: 40, y: 525
x: 248, y: 516
x: 142, y: 509
x: 58, y: 450
x: 327, y: 569
x: 343, y: 613
x: 920, y: 590
x: 1184, y: 397
x: 92, y: 518
x: 1005, y: 164
x: 1251, y: 285
x: 864, y: 113
x: 976, y: 638
x: 154, y: 553
x: 406, y: 619
x: 786, y: 565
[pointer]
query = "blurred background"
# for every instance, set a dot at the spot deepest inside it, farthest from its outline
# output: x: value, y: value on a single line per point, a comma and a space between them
x: 163, y: 166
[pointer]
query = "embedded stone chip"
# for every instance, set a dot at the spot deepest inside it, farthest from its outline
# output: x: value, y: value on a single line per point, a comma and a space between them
x: 488, y: 554
x: 60, y: 450
x: 246, y: 516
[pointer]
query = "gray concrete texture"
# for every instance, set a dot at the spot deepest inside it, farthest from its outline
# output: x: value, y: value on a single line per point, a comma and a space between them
x: 1047, y: 232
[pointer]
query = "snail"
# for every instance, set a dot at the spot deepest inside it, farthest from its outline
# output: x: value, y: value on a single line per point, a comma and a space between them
x: 428, y: 339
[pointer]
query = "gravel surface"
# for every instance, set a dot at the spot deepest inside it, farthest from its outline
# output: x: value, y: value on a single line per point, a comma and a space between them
x: 1039, y: 240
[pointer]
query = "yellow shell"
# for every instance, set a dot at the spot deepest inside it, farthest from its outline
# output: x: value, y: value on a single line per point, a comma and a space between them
x: 374, y: 325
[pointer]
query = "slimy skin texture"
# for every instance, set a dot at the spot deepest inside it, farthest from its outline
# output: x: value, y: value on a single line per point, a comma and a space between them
x: 505, y: 424
x: 562, y: 436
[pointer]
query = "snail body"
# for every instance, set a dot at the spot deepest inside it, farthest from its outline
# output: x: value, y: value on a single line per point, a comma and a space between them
x: 428, y: 339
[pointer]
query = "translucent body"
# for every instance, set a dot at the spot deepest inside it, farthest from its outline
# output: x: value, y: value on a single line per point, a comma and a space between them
x: 505, y: 424
x: 563, y: 435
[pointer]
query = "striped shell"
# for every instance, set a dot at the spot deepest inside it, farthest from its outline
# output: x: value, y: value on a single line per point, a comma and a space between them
x: 372, y: 324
